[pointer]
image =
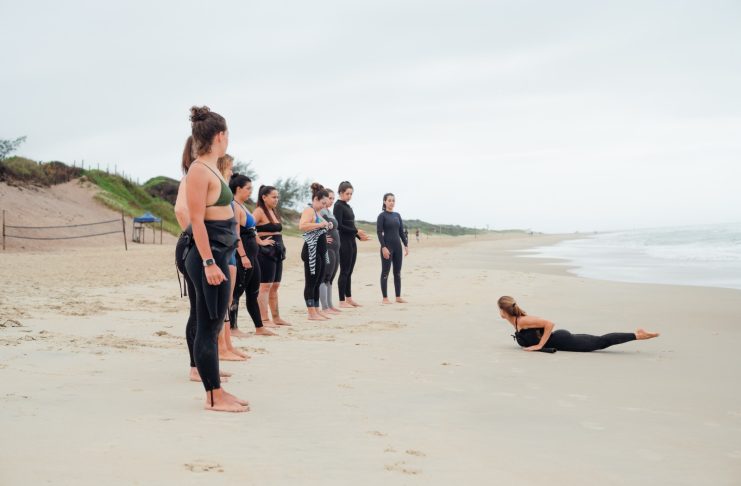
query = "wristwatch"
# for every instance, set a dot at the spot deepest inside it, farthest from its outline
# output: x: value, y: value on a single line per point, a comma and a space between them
x: 208, y: 262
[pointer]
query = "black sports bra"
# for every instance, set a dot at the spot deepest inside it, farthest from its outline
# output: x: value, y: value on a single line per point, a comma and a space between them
x: 269, y: 228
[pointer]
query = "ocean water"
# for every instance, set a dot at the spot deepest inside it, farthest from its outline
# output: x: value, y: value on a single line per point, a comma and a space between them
x: 707, y: 255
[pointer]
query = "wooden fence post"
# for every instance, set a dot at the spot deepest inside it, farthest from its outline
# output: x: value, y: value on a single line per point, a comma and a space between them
x: 123, y: 225
x: 3, y: 230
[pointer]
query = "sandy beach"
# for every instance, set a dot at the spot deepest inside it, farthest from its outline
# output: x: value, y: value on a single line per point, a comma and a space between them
x: 94, y: 371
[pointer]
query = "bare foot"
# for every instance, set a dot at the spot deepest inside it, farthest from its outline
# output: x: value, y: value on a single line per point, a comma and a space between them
x: 236, y: 332
x: 281, y: 322
x: 229, y: 396
x: 229, y: 356
x: 333, y: 310
x: 268, y: 323
x: 346, y: 305
x: 322, y: 314
x: 385, y: 301
x: 261, y: 331
x: 399, y: 300
x: 353, y: 303
x: 217, y: 401
x: 239, y: 352
x: 643, y: 334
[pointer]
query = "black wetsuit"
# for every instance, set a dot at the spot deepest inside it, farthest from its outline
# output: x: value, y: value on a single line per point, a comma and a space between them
x: 271, y: 256
x: 314, y: 255
x: 563, y: 340
x: 211, y: 300
x: 345, y: 217
x: 248, y: 279
x: 391, y: 235
x: 190, y: 327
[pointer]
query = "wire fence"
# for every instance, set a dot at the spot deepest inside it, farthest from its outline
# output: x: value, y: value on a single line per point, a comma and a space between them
x: 68, y: 237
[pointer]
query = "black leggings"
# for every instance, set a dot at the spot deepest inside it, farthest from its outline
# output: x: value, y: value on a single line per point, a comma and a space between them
x: 271, y: 264
x: 330, y: 271
x: 348, y: 255
x: 248, y: 282
x: 205, y: 345
x: 312, y: 282
x: 396, y: 259
x: 190, y: 326
x: 563, y: 340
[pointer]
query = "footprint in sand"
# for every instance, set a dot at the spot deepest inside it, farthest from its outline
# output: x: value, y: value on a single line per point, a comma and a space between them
x: 203, y: 466
x: 412, y: 452
x: 403, y: 468
x: 377, y: 433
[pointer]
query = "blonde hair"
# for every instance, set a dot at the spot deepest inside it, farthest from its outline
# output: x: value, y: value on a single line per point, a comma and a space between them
x: 224, y: 162
x: 508, y: 305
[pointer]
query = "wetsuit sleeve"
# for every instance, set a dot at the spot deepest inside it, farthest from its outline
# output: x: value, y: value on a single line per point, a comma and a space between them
x: 401, y: 231
x: 379, y: 229
x: 342, y: 224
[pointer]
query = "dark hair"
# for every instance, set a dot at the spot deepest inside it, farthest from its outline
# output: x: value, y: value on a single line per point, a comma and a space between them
x: 508, y: 305
x: 205, y: 125
x: 318, y: 191
x: 188, y: 157
x: 238, y: 181
x: 264, y: 191
x: 386, y: 196
x: 344, y: 186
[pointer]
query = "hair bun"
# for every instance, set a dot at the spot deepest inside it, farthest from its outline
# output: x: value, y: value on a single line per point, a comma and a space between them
x: 316, y: 187
x: 199, y: 113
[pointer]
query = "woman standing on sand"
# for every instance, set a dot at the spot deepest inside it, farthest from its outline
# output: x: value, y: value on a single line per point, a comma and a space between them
x: 391, y: 235
x: 184, y: 241
x: 269, y: 227
x: 227, y: 351
x: 537, y: 334
x: 345, y: 217
x: 248, y: 272
x: 212, y: 220
x: 314, y: 251
x: 333, y: 250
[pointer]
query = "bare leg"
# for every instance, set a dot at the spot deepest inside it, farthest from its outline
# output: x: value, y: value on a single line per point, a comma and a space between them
x: 274, y: 306
x: 263, y: 300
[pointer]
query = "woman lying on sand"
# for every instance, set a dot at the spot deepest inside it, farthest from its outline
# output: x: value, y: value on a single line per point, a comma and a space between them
x: 537, y: 334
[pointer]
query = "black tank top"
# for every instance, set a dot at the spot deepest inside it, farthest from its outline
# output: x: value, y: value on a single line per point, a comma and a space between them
x: 527, y: 337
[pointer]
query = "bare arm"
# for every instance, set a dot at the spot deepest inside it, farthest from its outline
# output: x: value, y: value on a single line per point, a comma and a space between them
x: 197, y: 191
x: 306, y: 223
x: 181, y: 206
x: 533, y: 322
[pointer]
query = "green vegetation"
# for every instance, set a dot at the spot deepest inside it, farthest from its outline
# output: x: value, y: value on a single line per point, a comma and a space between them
x: 163, y: 188
x: 20, y: 170
x: 425, y: 228
x: 158, y: 194
x: 131, y: 198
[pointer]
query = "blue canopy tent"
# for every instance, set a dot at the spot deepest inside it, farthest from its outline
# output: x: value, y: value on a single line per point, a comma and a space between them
x: 140, y: 226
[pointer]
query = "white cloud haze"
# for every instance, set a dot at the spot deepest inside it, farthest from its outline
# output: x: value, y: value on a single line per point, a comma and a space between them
x: 555, y: 116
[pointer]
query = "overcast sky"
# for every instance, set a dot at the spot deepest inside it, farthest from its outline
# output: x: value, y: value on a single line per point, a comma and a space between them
x: 554, y: 116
